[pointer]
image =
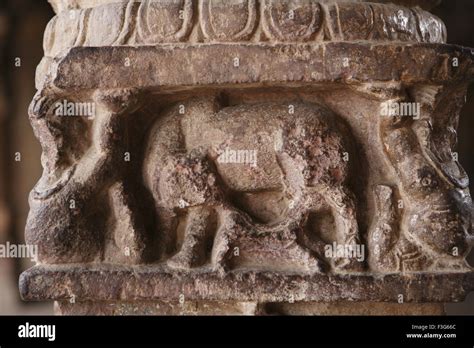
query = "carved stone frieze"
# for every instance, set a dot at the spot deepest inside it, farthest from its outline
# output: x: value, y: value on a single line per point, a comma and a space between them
x: 249, y: 152
x: 153, y: 22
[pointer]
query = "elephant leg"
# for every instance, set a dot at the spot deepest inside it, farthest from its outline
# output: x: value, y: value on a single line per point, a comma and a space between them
x: 384, y: 235
x: 130, y: 235
x: 198, y: 239
x: 342, y: 204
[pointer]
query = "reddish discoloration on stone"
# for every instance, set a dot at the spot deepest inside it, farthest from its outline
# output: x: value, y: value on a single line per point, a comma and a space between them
x: 228, y: 153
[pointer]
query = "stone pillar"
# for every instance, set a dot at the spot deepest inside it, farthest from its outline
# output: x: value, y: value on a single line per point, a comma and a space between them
x: 249, y: 157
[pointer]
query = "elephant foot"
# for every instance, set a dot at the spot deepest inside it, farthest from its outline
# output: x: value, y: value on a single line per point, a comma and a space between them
x: 182, y: 260
x: 349, y: 266
x: 192, y: 254
x: 318, y: 266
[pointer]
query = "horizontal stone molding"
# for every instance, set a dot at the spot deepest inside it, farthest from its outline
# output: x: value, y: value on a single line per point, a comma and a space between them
x: 214, y: 65
x: 110, y: 282
x: 152, y: 22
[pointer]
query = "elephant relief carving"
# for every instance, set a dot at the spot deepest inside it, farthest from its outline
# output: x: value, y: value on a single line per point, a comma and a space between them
x: 242, y: 186
x: 85, y: 183
x: 435, y: 217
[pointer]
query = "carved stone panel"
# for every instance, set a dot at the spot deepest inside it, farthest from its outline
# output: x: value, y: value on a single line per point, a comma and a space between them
x: 249, y: 152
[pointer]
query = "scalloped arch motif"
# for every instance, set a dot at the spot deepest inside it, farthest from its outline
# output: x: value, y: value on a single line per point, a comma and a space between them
x: 152, y: 22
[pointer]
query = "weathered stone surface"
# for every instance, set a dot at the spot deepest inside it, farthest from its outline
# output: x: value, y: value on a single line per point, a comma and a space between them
x: 293, y: 65
x: 62, y: 5
x: 240, y: 152
x: 151, y: 22
x: 245, y: 308
x: 139, y: 283
x: 157, y: 308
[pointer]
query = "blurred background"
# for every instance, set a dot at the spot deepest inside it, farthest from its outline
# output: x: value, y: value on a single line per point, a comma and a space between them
x: 22, y: 23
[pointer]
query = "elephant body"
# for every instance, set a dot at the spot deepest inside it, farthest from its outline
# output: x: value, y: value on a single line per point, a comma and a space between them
x: 272, y: 163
